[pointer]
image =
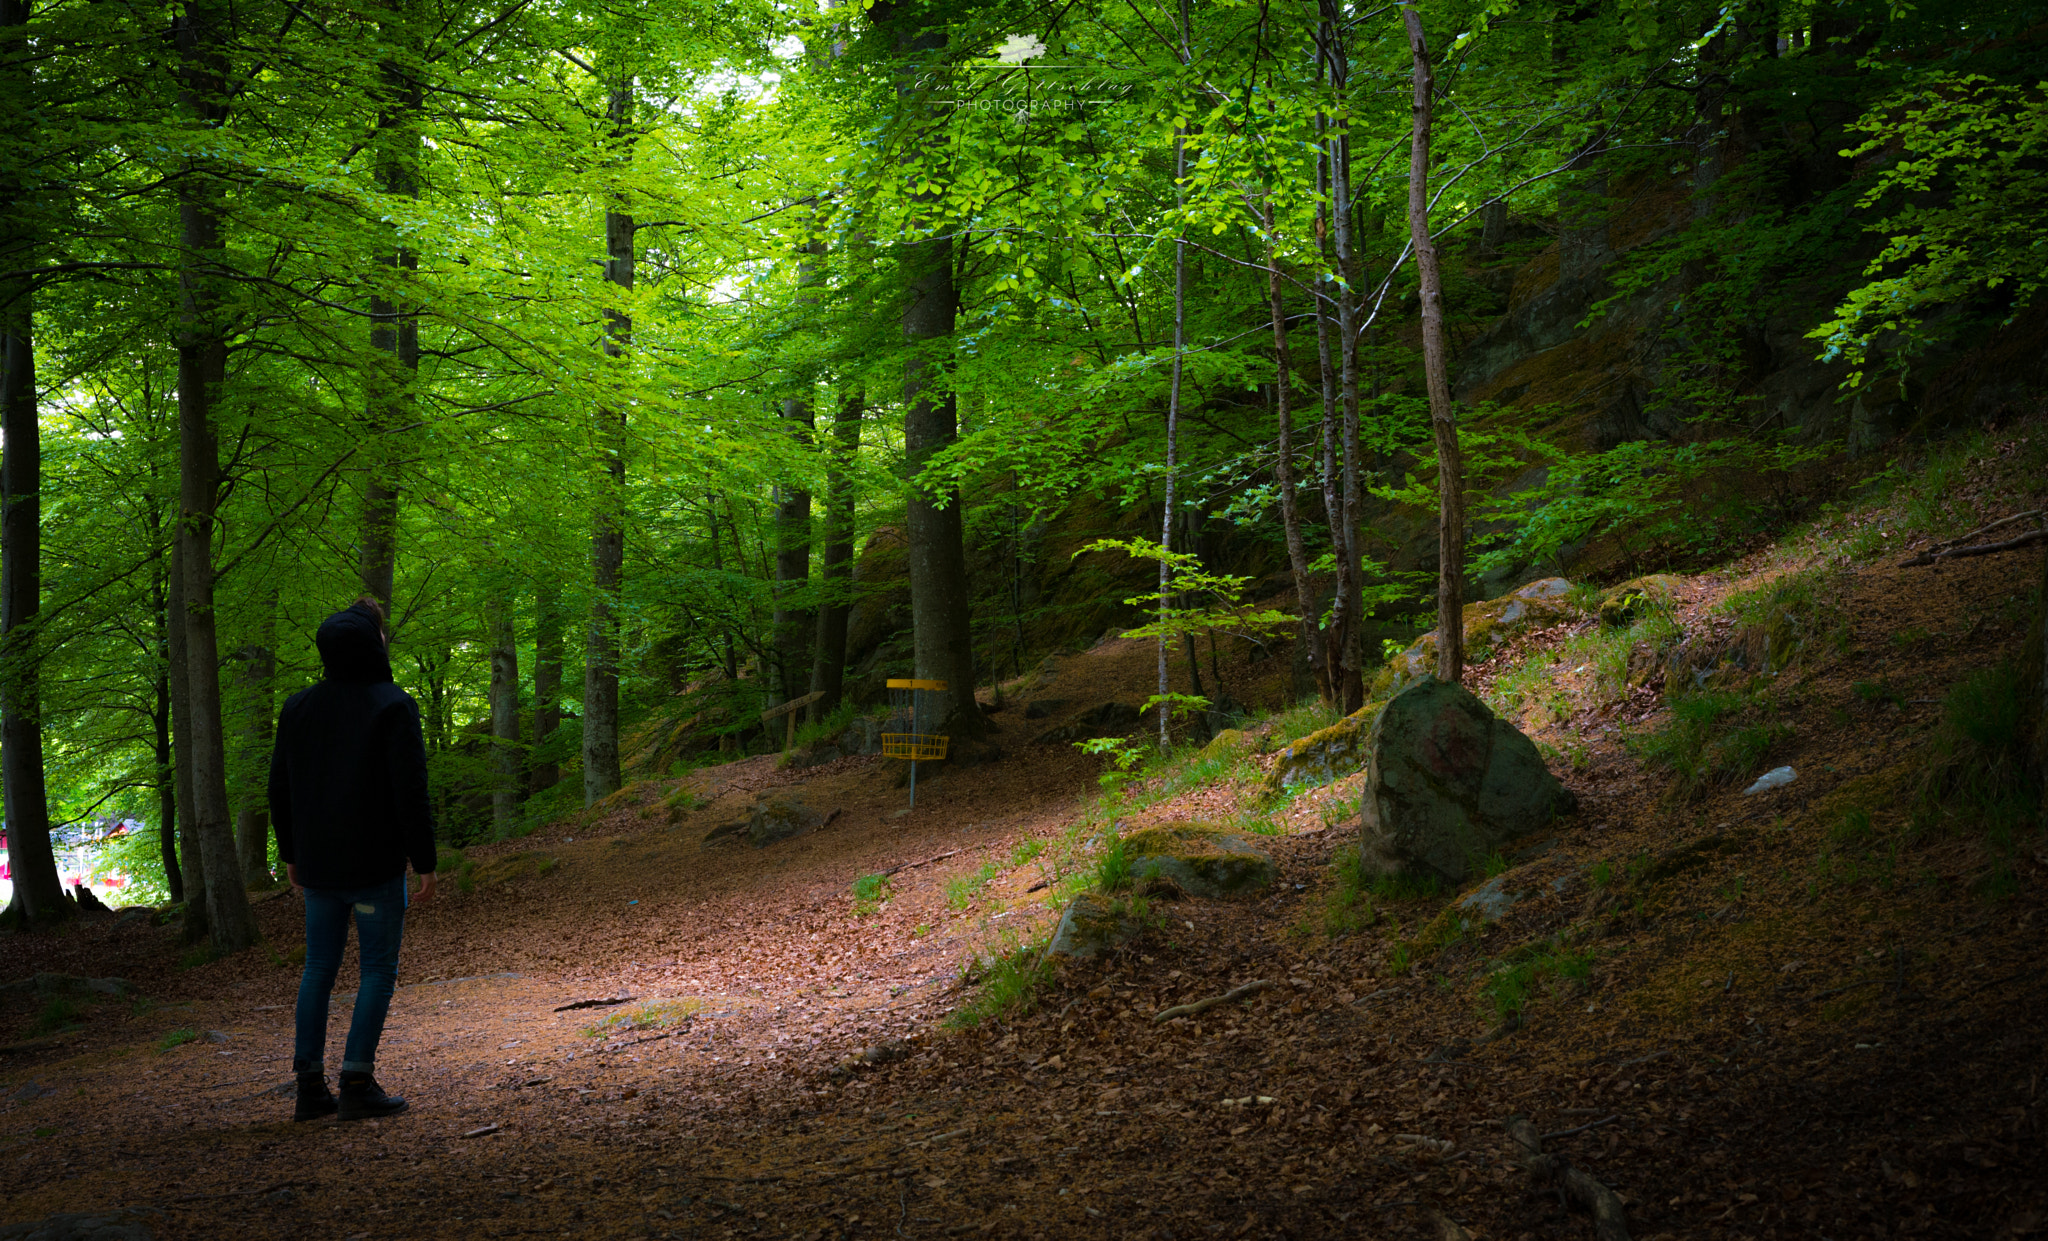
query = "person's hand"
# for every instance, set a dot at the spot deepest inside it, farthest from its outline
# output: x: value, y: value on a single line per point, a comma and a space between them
x: 291, y: 876
x: 426, y: 889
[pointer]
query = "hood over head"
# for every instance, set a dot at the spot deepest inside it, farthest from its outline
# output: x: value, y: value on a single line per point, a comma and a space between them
x: 351, y: 646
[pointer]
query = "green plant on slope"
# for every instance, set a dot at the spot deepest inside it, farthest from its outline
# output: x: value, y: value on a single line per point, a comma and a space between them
x: 1977, y: 778
x: 1010, y: 977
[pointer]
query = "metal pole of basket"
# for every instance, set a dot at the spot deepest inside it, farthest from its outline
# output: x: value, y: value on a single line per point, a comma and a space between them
x: 905, y: 737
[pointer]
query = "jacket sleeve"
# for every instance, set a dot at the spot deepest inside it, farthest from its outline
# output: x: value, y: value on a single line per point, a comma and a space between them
x: 281, y: 795
x: 412, y: 810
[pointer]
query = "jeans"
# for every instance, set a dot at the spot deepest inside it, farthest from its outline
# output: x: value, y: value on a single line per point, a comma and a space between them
x: 380, y: 923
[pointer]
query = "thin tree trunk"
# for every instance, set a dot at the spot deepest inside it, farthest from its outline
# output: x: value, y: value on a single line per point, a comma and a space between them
x: 38, y: 890
x: 202, y: 372
x: 1450, y: 587
x: 505, y: 749
x: 547, y: 679
x: 1332, y: 634
x: 1346, y: 668
x: 601, y: 774
x: 1173, y: 392
x: 941, y: 616
x: 191, y: 858
x: 1283, y: 467
x: 835, y: 566
x: 252, y: 818
x: 394, y: 330
x: 160, y: 723
x: 795, y: 622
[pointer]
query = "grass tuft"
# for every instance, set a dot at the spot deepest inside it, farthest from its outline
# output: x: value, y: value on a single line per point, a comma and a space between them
x: 1010, y: 978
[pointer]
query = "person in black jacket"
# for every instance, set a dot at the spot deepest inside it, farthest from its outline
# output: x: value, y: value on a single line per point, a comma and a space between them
x: 348, y: 796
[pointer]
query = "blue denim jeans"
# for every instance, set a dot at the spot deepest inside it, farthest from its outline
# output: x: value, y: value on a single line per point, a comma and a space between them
x: 380, y: 923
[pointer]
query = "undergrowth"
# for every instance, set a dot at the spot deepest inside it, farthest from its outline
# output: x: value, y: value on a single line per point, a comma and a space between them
x: 1527, y: 972
x: 1976, y: 779
x: 1711, y: 737
x: 1010, y: 976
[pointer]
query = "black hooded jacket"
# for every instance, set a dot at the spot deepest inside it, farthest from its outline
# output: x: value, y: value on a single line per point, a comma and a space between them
x: 348, y: 779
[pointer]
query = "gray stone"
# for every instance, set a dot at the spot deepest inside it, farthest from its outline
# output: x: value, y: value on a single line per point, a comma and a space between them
x: 119, y: 1224
x: 778, y: 818
x: 1044, y: 708
x: 1200, y: 860
x: 1092, y: 924
x: 1447, y: 784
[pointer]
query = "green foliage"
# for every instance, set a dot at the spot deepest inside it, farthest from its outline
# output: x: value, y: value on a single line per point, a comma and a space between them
x: 177, y: 1038
x: 1702, y: 743
x: 1123, y: 756
x: 1010, y: 977
x: 1407, y: 886
x: 869, y: 892
x: 1113, y: 872
x: 1512, y: 984
x: 1965, y: 188
x: 1220, y: 607
x: 1345, y: 908
x: 1976, y: 774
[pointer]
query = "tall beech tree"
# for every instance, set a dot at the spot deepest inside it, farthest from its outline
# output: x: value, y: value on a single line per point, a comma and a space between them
x: 204, y: 37
x: 38, y: 895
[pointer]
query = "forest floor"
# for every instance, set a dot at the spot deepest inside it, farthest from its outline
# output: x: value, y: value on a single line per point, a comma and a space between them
x: 1778, y: 1027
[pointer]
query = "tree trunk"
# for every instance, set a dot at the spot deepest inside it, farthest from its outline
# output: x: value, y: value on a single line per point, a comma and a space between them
x: 547, y: 679
x: 394, y: 329
x: 191, y: 858
x: 941, y: 614
x: 505, y: 750
x: 38, y: 891
x: 252, y: 818
x: 1346, y: 666
x: 835, y: 566
x: 1450, y: 587
x: 1180, y: 343
x: 601, y: 774
x: 202, y: 370
x: 160, y: 723
x: 1283, y: 467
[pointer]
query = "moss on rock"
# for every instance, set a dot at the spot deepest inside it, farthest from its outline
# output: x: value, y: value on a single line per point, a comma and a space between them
x: 1200, y: 859
x: 1092, y: 924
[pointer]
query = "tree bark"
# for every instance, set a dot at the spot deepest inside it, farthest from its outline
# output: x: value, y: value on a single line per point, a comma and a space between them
x: 941, y: 617
x: 160, y: 723
x: 38, y: 890
x: 394, y: 330
x: 1180, y: 341
x: 601, y: 774
x: 191, y: 858
x: 835, y: 565
x: 1347, y: 668
x: 202, y: 371
x: 1283, y: 466
x: 547, y: 680
x: 1450, y: 588
x: 258, y: 676
x: 505, y: 749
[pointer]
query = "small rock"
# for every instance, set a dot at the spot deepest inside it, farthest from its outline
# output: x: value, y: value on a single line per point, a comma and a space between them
x: 214, y: 1036
x: 1775, y: 778
x: 31, y: 1092
x: 1199, y: 859
x: 1091, y: 924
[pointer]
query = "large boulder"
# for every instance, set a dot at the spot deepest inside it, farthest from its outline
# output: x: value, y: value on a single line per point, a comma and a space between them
x: 1092, y: 924
x: 1199, y: 859
x: 1447, y: 784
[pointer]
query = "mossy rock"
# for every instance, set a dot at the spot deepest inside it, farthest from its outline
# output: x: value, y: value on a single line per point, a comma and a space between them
x: 1324, y: 755
x: 1229, y: 743
x: 1092, y: 924
x: 1625, y: 604
x: 1487, y: 626
x: 515, y: 866
x: 1200, y: 859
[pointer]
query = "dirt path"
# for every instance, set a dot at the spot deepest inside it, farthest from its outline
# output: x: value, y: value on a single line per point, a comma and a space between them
x: 1756, y: 1054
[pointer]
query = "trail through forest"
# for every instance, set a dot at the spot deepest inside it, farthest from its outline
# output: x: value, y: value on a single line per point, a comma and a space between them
x: 1741, y: 1062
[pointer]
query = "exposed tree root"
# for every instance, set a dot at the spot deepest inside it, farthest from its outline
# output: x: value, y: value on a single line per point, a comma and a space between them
x: 1609, y: 1224
x: 1189, y: 1010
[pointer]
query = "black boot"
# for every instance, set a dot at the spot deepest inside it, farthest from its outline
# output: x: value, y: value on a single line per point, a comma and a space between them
x: 315, y: 1100
x: 362, y: 1097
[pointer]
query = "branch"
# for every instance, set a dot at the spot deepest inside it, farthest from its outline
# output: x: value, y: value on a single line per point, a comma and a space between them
x: 1982, y: 549
x: 1189, y: 1010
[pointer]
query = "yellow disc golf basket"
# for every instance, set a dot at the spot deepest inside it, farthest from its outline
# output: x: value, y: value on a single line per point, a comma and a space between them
x: 911, y: 707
